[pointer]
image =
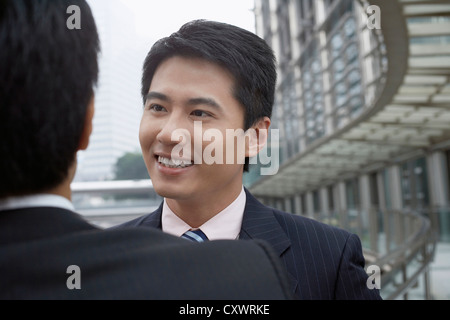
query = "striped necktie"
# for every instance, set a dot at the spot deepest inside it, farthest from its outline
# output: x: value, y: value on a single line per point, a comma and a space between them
x: 195, y: 235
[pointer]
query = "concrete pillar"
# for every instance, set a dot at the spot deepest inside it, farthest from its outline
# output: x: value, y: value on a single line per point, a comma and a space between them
x: 365, y: 198
x: 437, y: 179
x: 381, y: 191
x: 324, y: 203
x: 309, y: 205
x: 395, y: 187
x: 365, y: 212
x: 341, y: 204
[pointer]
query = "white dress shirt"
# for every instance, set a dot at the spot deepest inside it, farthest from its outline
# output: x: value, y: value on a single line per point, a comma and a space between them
x: 37, y: 200
x: 226, y: 225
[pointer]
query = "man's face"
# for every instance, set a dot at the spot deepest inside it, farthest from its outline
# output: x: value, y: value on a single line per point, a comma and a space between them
x: 187, y: 99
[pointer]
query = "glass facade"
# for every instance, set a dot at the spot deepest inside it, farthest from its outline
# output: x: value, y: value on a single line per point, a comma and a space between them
x: 322, y: 49
x: 332, y: 70
x: 313, y: 95
x: 344, y: 68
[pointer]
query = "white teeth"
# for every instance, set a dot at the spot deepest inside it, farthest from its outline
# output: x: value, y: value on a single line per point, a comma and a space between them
x: 177, y: 163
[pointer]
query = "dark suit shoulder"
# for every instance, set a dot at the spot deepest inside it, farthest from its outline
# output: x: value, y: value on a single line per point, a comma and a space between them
x: 133, y: 263
x: 140, y: 221
x: 256, y: 271
x: 149, y: 220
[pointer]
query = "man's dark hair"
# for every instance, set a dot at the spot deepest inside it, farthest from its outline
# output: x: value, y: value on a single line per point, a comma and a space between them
x: 47, y: 77
x: 246, y: 56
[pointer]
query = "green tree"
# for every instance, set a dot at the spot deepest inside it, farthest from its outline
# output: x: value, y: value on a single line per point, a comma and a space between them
x: 131, y: 166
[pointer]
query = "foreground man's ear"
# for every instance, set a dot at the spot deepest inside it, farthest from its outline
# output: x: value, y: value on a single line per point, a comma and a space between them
x: 88, y: 126
x: 257, y: 137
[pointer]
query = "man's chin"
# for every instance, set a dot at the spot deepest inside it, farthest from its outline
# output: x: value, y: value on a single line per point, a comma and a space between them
x: 176, y: 192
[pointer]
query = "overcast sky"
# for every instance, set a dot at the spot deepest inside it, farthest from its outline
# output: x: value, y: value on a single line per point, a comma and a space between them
x: 161, y: 18
x: 155, y: 19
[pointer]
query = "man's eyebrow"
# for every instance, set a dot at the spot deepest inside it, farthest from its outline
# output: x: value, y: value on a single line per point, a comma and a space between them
x: 204, y: 101
x: 191, y: 102
x: 156, y: 95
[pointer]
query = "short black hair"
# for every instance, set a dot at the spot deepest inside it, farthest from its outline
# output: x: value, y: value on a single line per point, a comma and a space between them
x: 248, y: 58
x: 48, y: 72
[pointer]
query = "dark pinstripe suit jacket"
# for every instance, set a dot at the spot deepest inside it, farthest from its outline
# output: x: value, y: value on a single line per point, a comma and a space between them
x: 323, y: 262
x: 37, y: 245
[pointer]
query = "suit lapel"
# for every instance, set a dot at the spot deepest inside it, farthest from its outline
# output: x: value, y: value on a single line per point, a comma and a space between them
x: 259, y: 222
x: 153, y: 220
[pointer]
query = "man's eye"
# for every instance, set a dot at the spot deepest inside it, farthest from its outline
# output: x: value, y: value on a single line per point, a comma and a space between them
x: 200, y: 113
x: 157, y: 108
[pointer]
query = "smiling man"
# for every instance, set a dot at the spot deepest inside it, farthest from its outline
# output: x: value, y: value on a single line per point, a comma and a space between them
x: 221, y: 78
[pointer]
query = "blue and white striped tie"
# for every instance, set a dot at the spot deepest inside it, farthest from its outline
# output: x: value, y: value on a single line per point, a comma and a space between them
x: 195, y: 235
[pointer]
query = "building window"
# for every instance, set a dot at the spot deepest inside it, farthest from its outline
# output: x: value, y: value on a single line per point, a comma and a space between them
x: 316, y: 203
x: 347, y: 89
x: 306, y: 19
x: 415, y: 184
x: 284, y: 33
x: 312, y: 99
x: 352, y: 190
x: 290, y: 116
x: 374, y: 197
x: 265, y: 9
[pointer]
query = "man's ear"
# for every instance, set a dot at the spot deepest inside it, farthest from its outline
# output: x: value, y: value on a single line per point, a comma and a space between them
x: 87, y: 128
x: 257, y: 137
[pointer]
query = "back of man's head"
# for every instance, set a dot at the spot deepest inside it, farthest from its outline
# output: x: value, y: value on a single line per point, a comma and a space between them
x: 48, y: 69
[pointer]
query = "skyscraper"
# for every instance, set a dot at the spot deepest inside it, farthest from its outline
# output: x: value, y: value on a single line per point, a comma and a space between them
x: 117, y: 98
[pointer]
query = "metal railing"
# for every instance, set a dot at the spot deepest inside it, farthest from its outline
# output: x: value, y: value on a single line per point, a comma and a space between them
x: 411, y: 255
x: 110, y: 203
x: 401, y: 243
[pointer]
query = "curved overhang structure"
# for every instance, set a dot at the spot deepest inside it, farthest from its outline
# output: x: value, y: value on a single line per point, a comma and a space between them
x: 409, y: 115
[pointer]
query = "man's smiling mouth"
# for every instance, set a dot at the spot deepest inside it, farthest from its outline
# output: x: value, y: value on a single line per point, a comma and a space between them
x: 174, y: 163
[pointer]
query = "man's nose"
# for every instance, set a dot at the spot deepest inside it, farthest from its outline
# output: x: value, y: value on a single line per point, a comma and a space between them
x: 174, y: 131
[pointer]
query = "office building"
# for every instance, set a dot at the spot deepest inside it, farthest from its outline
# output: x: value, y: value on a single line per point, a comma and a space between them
x: 118, y: 102
x: 363, y: 106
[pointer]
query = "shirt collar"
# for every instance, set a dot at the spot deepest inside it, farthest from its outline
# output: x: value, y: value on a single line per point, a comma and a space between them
x: 224, y: 225
x: 38, y: 200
